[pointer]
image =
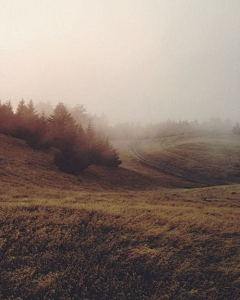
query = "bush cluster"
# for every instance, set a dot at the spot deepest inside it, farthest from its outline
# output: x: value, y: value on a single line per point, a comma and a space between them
x: 77, y: 148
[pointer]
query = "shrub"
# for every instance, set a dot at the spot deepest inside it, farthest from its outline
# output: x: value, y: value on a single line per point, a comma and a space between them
x: 70, y: 161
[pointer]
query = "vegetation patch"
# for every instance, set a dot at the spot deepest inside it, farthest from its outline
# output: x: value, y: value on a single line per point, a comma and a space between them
x: 125, y: 233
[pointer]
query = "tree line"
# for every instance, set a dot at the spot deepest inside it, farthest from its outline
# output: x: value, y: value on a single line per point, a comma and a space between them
x: 138, y: 130
x: 77, y: 147
x: 167, y: 128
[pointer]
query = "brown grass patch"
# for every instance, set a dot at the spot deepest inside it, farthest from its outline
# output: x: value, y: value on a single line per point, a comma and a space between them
x: 89, y: 237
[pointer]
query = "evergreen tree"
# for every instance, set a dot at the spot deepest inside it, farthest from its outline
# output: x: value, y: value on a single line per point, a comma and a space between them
x: 39, y: 138
x: 6, y: 117
x: 21, y: 110
x: 76, y: 148
x: 26, y: 121
x: 62, y: 127
x: 66, y: 135
x: 43, y: 119
x: 31, y: 113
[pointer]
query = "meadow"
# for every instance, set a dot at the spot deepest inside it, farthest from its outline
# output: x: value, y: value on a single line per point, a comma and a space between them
x: 142, y: 231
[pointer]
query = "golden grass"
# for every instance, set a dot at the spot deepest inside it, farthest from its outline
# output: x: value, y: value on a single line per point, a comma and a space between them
x: 213, y: 157
x: 113, y: 234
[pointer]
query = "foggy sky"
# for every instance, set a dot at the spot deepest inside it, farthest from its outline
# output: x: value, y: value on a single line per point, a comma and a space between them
x: 134, y: 60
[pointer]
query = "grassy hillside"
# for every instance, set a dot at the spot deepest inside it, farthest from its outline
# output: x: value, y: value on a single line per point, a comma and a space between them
x: 211, y: 159
x: 131, y: 233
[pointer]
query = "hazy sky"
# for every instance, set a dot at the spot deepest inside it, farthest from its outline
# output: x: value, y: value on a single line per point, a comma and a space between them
x: 135, y: 60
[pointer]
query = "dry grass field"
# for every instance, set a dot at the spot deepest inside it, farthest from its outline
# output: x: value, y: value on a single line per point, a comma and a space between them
x: 130, y: 233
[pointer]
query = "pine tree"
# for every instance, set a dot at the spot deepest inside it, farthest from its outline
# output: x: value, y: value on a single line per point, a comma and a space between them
x: 6, y: 117
x: 39, y: 138
x: 21, y: 110
x: 62, y: 126
x: 31, y: 113
x: 77, y: 148
x: 70, y: 139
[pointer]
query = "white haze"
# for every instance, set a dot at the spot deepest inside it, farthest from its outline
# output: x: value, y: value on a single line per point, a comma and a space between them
x: 134, y: 60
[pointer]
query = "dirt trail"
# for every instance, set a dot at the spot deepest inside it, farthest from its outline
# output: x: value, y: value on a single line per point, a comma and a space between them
x: 169, y: 168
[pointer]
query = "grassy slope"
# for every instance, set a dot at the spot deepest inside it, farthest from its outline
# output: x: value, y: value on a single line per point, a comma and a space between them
x: 113, y: 234
x: 212, y: 157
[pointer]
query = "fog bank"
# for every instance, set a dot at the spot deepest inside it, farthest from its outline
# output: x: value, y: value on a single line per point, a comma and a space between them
x: 136, y: 60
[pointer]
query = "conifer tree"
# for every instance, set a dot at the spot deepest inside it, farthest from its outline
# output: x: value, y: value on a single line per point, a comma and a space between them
x: 21, y: 109
x: 62, y: 127
x: 31, y: 113
x: 6, y: 117
x: 77, y: 148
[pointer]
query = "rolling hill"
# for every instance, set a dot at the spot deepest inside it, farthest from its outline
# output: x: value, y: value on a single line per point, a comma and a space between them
x: 143, y: 231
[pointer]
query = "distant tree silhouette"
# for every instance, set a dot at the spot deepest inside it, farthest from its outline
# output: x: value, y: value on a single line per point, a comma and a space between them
x: 236, y: 129
x: 31, y: 113
x: 80, y: 115
x: 45, y: 107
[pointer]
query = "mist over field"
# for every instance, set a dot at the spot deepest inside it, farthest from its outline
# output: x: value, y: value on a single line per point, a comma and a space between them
x: 135, y: 61
x: 120, y: 149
